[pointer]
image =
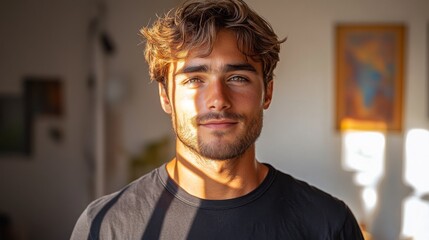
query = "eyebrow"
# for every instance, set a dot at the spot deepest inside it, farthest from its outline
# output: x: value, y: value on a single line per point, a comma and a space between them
x: 226, y: 68
x: 193, y: 69
x: 239, y: 67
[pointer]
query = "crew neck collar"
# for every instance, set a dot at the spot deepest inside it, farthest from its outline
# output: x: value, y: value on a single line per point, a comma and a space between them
x: 191, y: 200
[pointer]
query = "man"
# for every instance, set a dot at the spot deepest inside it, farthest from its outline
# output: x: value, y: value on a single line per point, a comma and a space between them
x: 214, y: 62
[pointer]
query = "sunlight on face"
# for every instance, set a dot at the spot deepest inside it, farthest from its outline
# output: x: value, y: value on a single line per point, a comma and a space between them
x: 217, y: 101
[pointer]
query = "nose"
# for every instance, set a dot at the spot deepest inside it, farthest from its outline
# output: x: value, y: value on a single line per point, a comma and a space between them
x: 218, y: 96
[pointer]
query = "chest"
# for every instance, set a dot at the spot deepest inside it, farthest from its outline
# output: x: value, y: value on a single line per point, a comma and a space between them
x: 177, y: 220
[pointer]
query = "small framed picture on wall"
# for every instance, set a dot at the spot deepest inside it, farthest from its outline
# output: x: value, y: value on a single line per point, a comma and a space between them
x: 369, y: 77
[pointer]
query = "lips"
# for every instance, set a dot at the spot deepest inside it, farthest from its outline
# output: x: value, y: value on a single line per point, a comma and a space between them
x: 219, y: 120
x: 218, y: 123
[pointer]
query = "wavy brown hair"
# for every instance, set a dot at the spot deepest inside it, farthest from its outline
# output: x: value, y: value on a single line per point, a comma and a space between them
x: 195, y: 25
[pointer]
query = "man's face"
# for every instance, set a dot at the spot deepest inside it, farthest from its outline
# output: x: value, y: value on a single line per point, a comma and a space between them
x: 216, y: 102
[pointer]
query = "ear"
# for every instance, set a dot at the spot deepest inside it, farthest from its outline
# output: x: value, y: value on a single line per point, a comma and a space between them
x: 268, y: 94
x: 163, y: 97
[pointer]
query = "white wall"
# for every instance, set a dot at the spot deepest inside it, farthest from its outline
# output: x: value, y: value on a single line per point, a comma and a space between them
x: 137, y: 113
x: 45, y: 192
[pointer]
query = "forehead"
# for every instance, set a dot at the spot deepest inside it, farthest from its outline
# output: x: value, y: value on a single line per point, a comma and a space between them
x: 225, y: 51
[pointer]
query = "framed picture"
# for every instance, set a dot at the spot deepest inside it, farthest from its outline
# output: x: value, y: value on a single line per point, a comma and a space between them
x: 43, y: 96
x: 369, y: 77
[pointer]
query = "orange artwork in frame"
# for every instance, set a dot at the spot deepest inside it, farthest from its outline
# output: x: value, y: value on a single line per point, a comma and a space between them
x: 370, y: 77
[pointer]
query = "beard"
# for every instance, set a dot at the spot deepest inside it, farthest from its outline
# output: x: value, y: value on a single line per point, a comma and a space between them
x: 214, y: 146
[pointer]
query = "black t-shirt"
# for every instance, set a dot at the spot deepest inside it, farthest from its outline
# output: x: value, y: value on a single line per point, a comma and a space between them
x: 154, y: 207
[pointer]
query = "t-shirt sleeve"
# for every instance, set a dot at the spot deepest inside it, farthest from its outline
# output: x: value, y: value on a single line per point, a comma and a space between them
x: 81, y: 229
x: 351, y: 229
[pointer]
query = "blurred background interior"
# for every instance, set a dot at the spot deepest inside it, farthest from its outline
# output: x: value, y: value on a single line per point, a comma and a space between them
x: 79, y: 117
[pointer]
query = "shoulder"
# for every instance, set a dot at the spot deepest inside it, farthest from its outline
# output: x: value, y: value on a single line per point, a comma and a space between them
x: 135, y: 194
x: 309, y: 200
x: 121, y: 212
x: 305, y: 192
x: 321, y: 213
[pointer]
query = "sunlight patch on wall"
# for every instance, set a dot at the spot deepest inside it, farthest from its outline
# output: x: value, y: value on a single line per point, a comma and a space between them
x: 415, y: 220
x: 364, y: 154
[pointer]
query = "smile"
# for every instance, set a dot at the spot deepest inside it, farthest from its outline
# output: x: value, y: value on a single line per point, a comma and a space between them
x: 219, y: 124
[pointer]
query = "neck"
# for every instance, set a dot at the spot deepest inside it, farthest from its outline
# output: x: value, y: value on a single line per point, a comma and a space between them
x: 216, y: 179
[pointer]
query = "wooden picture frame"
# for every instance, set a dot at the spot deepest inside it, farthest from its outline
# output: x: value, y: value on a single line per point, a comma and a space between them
x: 369, y: 77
